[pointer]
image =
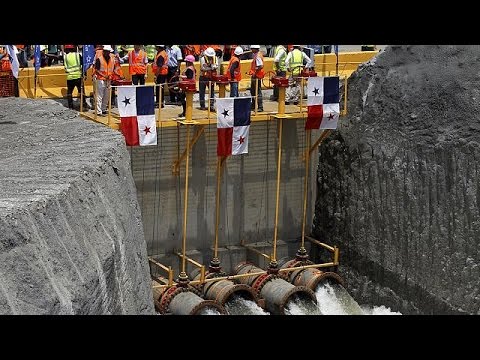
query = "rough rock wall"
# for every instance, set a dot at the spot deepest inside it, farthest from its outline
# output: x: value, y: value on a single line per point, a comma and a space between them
x: 71, y: 236
x: 398, y: 183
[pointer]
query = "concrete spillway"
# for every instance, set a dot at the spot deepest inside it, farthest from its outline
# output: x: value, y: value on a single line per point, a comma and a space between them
x: 71, y: 235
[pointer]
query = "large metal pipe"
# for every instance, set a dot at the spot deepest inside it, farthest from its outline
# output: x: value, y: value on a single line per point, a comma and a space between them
x: 311, y: 277
x: 223, y: 290
x: 273, y: 289
x: 183, y: 301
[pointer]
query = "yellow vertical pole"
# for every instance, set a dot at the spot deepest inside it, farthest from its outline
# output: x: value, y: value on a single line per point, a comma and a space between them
x: 273, y: 261
x: 183, y: 278
x: 81, y: 94
x: 305, y: 186
x: 109, y: 122
x: 256, y: 96
x: 221, y: 90
x: 209, y: 97
x: 345, y: 97
x: 159, y: 100
x: 281, y: 100
x: 217, y: 206
x: 302, y: 83
x: 170, y: 276
x: 95, y: 98
x: 189, y: 106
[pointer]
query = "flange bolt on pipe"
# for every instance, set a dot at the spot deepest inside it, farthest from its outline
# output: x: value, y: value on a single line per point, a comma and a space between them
x: 184, y: 301
x: 222, y: 291
x: 276, y: 291
x: 311, y: 277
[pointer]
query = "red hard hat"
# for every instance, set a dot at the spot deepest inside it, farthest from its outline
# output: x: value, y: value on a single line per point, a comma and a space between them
x: 69, y: 46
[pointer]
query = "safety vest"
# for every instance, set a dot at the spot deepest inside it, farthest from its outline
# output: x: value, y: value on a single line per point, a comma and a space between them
x: 137, y: 63
x: 71, y: 62
x: 281, y: 63
x: 5, y: 64
x: 117, y: 69
x: 164, y: 69
x: 150, y: 49
x: 184, y: 72
x: 208, y: 73
x: 259, y: 74
x: 237, y: 72
x: 296, y: 62
x: 106, y: 69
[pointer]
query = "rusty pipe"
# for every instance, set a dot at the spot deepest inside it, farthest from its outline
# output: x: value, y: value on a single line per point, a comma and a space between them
x: 275, y: 290
x: 183, y: 301
x: 223, y: 290
x: 311, y: 277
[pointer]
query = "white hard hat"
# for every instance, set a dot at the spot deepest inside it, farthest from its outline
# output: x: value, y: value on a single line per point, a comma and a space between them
x: 238, y: 50
x: 108, y: 48
x: 160, y: 45
x: 209, y: 51
x: 254, y: 46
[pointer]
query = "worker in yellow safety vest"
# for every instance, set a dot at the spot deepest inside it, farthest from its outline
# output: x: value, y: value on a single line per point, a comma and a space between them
x: 296, y: 60
x: 151, y: 51
x: 279, y: 67
x: 72, y: 62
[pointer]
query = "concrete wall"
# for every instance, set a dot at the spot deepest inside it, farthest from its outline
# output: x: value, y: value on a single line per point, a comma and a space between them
x: 248, y: 189
x: 71, y: 236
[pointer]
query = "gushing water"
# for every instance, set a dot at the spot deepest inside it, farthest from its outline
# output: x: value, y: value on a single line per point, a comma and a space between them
x: 301, y: 306
x: 208, y: 311
x: 333, y: 299
x: 379, y: 310
x: 241, y: 306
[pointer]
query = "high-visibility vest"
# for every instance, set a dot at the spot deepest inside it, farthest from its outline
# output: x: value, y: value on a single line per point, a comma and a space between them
x: 150, y: 49
x: 208, y: 73
x: 137, y: 63
x: 164, y: 69
x: 281, y: 63
x: 191, y: 67
x: 237, y: 72
x: 71, y: 62
x: 259, y: 74
x: 106, y: 69
x: 296, y: 62
x: 117, y: 69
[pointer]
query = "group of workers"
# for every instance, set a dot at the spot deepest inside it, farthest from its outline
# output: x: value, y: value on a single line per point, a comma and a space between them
x: 107, y: 69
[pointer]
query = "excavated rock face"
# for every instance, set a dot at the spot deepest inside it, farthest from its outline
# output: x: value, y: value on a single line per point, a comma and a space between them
x: 398, y: 183
x: 71, y: 236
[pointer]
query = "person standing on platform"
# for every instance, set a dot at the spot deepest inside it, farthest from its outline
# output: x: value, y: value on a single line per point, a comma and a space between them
x: 295, y: 62
x: 279, y: 67
x: 160, y: 71
x: 103, y: 72
x: 187, y: 74
x: 174, y: 58
x: 257, y: 73
x: 137, y: 61
x: 234, y: 71
x: 72, y: 62
x: 208, y: 65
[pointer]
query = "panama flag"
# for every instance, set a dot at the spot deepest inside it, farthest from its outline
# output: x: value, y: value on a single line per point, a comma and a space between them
x: 137, y: 112
x: 323, y: 103
x: 233, y: 124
